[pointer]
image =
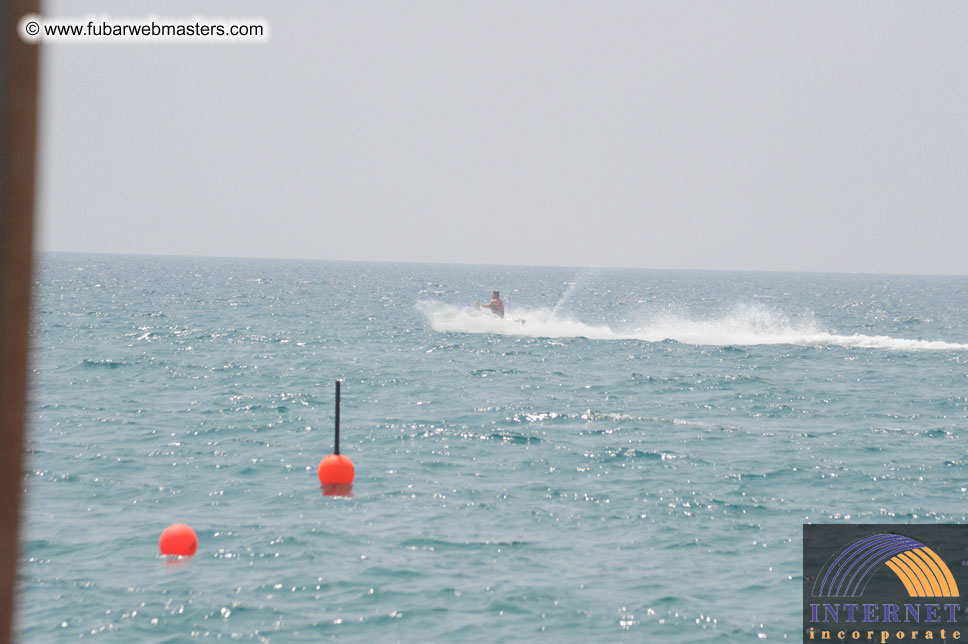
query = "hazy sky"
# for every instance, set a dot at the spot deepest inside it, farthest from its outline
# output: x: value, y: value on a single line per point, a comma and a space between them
x: 772, y: 135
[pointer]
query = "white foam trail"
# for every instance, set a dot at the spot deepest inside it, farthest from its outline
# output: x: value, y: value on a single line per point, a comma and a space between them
x: 742, y: 326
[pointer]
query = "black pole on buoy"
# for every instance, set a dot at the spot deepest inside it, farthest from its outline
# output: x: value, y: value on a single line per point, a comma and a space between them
x: 336, y: 441
x: 336, y: 471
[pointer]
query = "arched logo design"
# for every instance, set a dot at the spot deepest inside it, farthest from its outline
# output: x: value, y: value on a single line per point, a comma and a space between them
x: 922, y: 572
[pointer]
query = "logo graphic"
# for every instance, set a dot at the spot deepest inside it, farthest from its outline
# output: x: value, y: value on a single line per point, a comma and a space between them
x: 885, y: 583
x: 919, y: 568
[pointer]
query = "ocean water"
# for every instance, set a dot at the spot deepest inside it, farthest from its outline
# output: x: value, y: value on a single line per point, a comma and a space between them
x: 629, y: 456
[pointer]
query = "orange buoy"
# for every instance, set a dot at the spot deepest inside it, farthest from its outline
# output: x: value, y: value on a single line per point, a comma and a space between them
x: 178, y: 539
x: 336, y: 469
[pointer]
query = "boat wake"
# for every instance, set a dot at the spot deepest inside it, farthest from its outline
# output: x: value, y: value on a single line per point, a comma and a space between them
x: 744, y: 325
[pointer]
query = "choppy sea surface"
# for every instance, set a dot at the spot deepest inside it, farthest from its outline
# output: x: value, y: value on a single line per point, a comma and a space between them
x: 628, y: 456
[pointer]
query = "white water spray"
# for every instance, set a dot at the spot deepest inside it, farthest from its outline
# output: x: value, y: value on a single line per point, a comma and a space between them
x: 744, y: 325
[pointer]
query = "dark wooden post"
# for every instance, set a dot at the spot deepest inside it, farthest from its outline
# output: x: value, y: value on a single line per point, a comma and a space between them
x: 18, y: 136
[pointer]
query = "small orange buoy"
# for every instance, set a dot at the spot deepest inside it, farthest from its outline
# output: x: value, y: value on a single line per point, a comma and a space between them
x: 178, y: 539
x: 336, y: 469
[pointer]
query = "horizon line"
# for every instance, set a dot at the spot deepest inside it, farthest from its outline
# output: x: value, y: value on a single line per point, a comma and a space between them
x: 505, y: 265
